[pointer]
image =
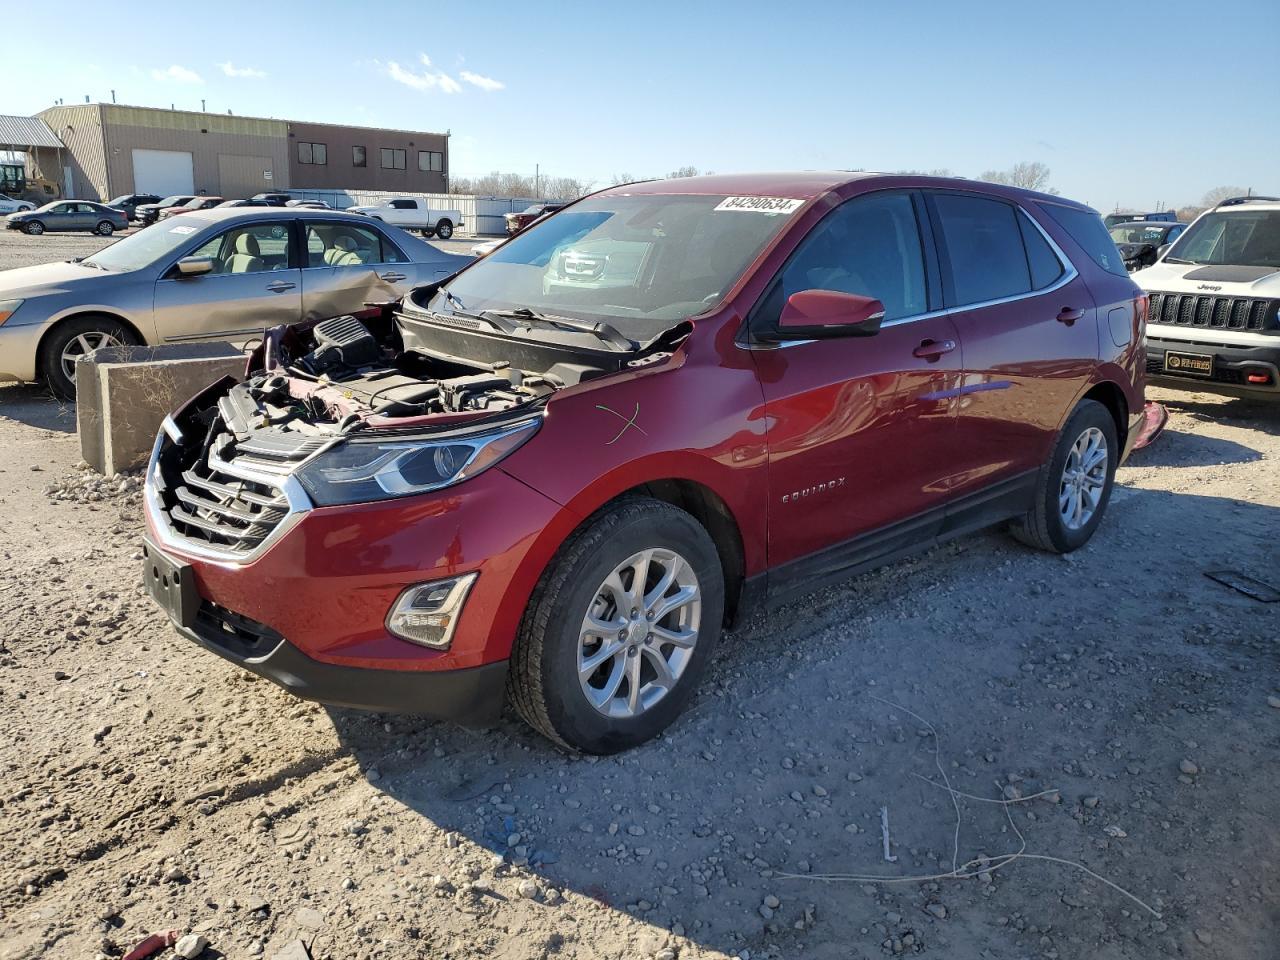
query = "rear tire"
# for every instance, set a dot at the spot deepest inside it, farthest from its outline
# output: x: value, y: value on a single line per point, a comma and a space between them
x: 74, y: 337
x: 444, y: 229
x: 33, y: 229
x: 1074, y: 487
x: 105, y: 229
x: 592, y: 581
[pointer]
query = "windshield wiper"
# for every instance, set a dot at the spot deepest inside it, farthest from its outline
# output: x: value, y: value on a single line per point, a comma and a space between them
x: 87, y: 263
x: 603, y: 331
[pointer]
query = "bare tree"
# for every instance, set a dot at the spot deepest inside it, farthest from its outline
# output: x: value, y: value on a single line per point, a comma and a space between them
x: 682, y: 172
x: 939, y: 172
x: 498, y: 184
x: 1218, y: 194
x: 1028, y: 174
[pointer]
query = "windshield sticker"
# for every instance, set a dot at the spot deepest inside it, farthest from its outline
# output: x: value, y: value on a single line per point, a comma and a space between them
x: 183, y: 230
x: 783, y: 205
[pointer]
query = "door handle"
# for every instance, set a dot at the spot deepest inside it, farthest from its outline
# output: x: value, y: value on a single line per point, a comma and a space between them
x: 932, y: 350
x: 279, y: 286
x: 392, y: 277
x: 1069, y: 315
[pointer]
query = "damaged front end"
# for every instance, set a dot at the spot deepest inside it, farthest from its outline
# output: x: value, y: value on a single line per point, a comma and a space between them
x: 350, y: 411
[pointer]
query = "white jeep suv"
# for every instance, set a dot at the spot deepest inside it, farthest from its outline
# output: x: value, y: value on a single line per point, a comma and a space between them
x: 1214, y: 300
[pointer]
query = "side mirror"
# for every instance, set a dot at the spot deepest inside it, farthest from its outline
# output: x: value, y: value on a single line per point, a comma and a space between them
x: 817, y: 314
x: 194, y: 266
x: 1162, y: 250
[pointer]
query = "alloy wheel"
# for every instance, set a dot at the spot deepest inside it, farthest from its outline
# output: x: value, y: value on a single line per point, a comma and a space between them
x: 82, y: 344
x: 639, y: 632
x: 1084, y: 477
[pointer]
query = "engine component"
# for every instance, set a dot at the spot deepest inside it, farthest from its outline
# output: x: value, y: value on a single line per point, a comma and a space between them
x: 341, y: 342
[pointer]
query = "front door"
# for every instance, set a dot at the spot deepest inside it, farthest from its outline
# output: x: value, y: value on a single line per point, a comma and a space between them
x: 254, y: 284
x: 349, y: 267
x: 1030, y: 333
x: 861, y: 429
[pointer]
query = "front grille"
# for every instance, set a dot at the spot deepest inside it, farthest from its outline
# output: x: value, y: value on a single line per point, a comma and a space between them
x: 1212, y: 312
x: 215, y: 504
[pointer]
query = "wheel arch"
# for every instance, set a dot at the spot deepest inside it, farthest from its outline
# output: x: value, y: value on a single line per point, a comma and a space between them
x: 1111, y: 395
x: 80, y: 315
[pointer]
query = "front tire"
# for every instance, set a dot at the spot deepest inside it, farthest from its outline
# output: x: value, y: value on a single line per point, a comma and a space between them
x: 71, y: 339
x: 444, y: 229
x: 33, y: 229
x: 619, y: 629
x: 105, y: 229
x: 1074, y: 488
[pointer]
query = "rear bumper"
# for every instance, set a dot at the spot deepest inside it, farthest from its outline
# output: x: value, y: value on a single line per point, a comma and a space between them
x: 472, y: 696
x: 1232, y: 366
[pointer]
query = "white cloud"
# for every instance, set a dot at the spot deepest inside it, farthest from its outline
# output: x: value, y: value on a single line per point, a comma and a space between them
x: 177, y: 74
x: 231, y: 70
x: 483, y: 82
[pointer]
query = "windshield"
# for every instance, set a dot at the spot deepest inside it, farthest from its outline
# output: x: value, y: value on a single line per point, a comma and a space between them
x: 127, y: 196
x: 144, y: 247
x: 639, y: 262
x: 1241, y: 238
x: 1138, y: 233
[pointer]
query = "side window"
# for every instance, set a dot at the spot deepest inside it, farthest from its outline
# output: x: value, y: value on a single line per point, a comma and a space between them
x: 1044, y: 263
x: 347, y: 245
x: 1086, y: 229
x: 404, y: 204
x: 249, y: 249
x: 982, y: 245
x: 869, y: 246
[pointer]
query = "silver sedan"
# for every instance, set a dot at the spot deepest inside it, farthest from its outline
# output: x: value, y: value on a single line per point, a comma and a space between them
x: 218, y: 274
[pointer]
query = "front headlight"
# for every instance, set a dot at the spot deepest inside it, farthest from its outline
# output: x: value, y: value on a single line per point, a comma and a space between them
x: 7, y: 309
x: 363, y: 470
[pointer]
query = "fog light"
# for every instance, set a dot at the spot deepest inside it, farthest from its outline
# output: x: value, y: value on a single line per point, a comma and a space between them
x: 427, y: 613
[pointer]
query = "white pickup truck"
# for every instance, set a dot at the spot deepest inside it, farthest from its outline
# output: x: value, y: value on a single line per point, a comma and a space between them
x: 414, y: 213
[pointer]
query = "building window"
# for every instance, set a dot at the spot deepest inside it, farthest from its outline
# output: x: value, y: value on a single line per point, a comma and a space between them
x: 357, y: 156
x: 392, y: 159
x: 316, y: 153
x: 430, y: 161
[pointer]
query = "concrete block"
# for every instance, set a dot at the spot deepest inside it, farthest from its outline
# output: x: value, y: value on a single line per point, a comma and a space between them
x: 123, y: 394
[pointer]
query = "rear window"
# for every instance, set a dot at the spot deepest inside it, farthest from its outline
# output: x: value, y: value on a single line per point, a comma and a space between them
x: 1044, y: 263
x: 1086, y: 229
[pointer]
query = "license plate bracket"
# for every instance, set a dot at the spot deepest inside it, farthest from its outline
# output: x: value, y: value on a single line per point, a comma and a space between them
x: 1188, y: 364
x: 171, y: 584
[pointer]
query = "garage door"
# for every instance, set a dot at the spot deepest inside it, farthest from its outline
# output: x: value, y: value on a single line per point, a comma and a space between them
x: 163, y: 172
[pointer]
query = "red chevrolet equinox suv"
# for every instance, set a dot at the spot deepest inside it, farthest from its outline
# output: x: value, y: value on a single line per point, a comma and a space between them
x: 555, y: 477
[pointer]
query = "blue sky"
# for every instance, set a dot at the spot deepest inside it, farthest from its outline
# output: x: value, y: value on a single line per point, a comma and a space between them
x: 1131, y: 103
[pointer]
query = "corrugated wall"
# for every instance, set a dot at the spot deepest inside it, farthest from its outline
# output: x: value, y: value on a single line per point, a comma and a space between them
x: 480, y: 215
x: 80, y: 128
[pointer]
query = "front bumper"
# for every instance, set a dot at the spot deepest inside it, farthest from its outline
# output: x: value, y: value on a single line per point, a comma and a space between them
x: 18, y: 345
x: 1232, y: 366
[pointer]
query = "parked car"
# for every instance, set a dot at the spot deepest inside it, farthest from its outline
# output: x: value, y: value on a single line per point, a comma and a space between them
x: 195, y: 203
x: 10, y: 205
x: 274, y: 199
x: 245, y: 203
x: 1215, y: 297
x: 1139, y: 241
x: 311, y: 204
x: 149, y: 213
x: 1160, y: 216
x: 555, y: 476
x: 414, y: 213
x: 130, y: 202
x: 211, y: 275
x: 65, y: 215
x: 518, y: 221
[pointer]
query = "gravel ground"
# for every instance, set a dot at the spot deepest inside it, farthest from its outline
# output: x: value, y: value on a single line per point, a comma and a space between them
x: 149, y: 786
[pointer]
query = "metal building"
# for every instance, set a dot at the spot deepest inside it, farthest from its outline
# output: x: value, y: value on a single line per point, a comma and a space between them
x: 112, y: 149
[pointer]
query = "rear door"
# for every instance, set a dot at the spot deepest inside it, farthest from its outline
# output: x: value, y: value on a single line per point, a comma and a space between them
x: 861, y: 429
x: 255, y: 284
x: 1029, y: 329
x: 351, y: 265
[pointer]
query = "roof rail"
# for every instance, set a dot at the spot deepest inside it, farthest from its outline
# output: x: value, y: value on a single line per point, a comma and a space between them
x: 1235, y: 201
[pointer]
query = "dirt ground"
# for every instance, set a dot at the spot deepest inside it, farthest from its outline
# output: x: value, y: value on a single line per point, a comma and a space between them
x: 146, y: 785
